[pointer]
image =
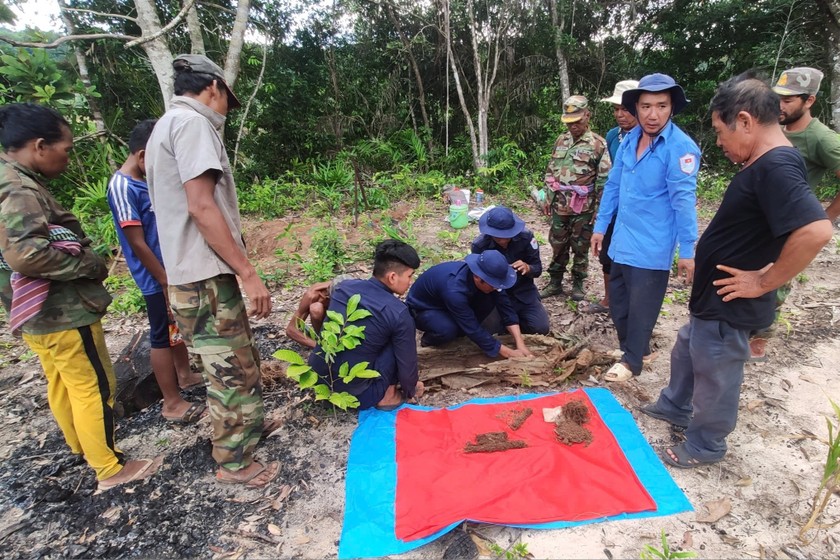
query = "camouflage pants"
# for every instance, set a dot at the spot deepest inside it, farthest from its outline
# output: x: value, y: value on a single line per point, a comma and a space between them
x: 213, y: 321
x: 570, y: 233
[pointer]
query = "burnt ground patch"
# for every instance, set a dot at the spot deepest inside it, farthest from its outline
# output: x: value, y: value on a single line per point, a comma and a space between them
x: 179, y: 512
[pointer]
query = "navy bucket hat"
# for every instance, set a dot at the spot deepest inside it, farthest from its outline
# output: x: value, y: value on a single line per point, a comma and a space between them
x: 492, y: 267
x: 500, y: 222
x: 655, y: 83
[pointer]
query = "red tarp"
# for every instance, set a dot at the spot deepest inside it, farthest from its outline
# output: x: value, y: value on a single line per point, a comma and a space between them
x: 439, y: 484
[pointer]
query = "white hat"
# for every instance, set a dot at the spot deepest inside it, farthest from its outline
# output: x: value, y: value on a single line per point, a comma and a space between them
x: 620, y: 88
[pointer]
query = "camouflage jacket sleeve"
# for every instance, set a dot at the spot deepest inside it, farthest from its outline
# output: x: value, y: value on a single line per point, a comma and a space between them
x: 604, y: 166
x: 26, y: 210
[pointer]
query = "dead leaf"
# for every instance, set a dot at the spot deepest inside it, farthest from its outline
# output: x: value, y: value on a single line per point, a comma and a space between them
x: 27, y: 377
x: 688, y: 540
x: 746, y: 481
x: 714, y: 510
x: 277, y: 502
x: 752, y: 405
x: 481, y: 544
x: 274, y: 529
x: 302, y: 539
x: 730, y: 540
x: 584, y: 358
x: 253, y: 518
x: 111, y: 514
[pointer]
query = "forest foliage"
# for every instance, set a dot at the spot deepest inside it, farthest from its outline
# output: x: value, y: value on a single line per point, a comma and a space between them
x: 363, y: 91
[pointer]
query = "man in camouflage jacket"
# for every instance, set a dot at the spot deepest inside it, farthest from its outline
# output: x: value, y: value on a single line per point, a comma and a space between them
x: 574, y: 179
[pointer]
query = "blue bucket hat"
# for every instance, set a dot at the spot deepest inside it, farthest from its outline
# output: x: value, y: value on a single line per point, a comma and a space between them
x: 492, y: 267
x: 654, y: 83
x: 500, y: 222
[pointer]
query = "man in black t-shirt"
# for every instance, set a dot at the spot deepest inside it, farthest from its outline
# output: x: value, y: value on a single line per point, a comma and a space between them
x: 768, y: 228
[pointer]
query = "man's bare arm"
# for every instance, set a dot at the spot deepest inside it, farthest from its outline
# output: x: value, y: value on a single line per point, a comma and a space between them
x: 208, y: 218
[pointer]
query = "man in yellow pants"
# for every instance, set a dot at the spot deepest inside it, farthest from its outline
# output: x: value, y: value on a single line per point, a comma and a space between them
x: 51, y: 285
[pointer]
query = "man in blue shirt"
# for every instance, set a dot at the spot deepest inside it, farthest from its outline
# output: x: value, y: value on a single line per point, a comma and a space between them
x: 451, y: 299
x: 626, y: 122
x: 390, y: 344
x: 128, y: 197
x: 651, y: 194
x: 504, y: 231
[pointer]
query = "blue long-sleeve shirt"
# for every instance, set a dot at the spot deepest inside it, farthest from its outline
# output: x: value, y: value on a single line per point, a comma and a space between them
x: 521, y: 247
x: 450, y: 287
x: 653, y: 199
x: 390, y: 324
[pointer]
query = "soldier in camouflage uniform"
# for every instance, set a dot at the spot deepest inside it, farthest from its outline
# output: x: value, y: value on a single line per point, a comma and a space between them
x: 574, y: 179
x: 57, y: 295
x: 194, y: 198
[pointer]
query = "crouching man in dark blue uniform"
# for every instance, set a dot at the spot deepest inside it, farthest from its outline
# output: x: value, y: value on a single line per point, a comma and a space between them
x: 390, y: 344
x: 451, y: 299
x: 504, y: 231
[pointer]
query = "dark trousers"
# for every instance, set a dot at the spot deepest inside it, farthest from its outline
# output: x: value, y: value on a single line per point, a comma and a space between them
x: 386, y: 365
x: 707, y: 369
x: 439, y: 327
x: 533, y: 318
x: 636, y: 296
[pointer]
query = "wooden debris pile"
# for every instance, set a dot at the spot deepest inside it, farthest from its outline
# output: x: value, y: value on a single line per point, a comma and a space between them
x: 462, y: 365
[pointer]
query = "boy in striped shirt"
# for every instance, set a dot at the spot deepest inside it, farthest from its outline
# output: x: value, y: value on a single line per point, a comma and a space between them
x: 128, y: 197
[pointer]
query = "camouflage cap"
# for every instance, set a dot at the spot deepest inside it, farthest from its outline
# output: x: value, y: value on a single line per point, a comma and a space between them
x: 203, y: 65
x: 799, y: 81
x: 574, y: 109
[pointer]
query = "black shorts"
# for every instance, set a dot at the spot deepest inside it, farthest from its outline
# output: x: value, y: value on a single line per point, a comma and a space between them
x: 158, y: 320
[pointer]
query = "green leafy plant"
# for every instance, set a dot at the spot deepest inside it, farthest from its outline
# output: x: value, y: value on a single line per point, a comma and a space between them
x: 339, y: 333
x: 516, y: 552
x: 830, y: 483
x: 327, y: 254
x: 650, y: 552
x: 127, y: 296
x: 451, y: 237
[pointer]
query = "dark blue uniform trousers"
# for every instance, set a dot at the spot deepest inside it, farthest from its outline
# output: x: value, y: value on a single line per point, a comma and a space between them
x: 533, y: 318
x: 439, y: 327
x: 386, y: 365
x: 636, y: 296
x: 707, y: 369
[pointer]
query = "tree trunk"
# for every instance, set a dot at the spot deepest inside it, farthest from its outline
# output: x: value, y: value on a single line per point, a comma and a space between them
x: 450, y: 55
x: 196, y: 36
x: 421, y: 95
x: 84, y: 75
x: 558, y: 23
x: 832, y: 10
x: 237, y: 40
x: 156, y: 50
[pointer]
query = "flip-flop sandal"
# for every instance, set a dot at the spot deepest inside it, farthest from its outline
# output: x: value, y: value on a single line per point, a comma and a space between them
x: 190, y: 416
x: 684, y: 458
x: 145, y: 472
x: 647, y: 360
x: 654, y: 412
x: 273, y: 469
x: 618, y: 373
x: 595, y: 307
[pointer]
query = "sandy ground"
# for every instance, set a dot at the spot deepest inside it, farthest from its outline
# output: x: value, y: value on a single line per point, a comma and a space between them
x: 48, y: 509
